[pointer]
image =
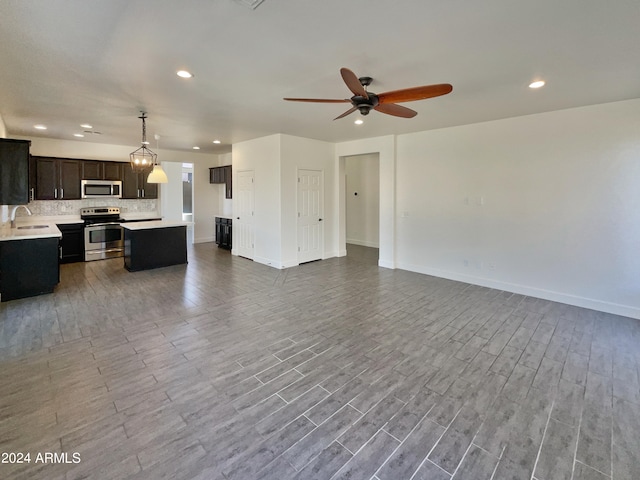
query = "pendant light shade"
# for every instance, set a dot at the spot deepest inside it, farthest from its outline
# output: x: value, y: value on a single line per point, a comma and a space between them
x: 157, y: 175
x: 143, y: 159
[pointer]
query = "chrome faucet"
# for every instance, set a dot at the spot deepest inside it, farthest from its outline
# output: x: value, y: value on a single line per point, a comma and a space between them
x: 13, y: 214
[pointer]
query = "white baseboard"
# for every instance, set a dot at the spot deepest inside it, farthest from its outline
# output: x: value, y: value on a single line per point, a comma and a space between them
x: 385, y: 264
x: 569, y: 299
x: 268, y: 262
x: 204, y: 240
x: 363, y: 243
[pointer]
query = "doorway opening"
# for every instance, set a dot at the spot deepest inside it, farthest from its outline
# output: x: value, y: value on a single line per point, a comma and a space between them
x: 362, y: 207
x: 187, y: 198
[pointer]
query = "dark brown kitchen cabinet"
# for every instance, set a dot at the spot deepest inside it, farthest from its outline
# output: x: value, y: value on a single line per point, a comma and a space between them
x: 57, y: 178
x: 113, y: 170
x: 72, y: 242
x: 92, y: 170
x: 223, y: 232
x: 28, y: 267
x: 14, y: 171
x: 99, y: 170
x: 222, y: 175
x: 135, y: 185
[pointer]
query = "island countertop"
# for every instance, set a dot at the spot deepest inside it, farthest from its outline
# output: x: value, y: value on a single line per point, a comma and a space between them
x: 154, y: 224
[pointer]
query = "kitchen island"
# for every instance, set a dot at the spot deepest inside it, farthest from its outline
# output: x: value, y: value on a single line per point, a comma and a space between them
x: 29, y: 260
x: 154, y: 244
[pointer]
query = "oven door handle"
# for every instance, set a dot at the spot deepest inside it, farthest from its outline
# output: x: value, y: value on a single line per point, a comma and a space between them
x: 102, y: 224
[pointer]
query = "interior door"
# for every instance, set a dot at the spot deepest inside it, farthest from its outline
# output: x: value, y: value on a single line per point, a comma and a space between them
x: 310, y: 211
x: 243, y: 228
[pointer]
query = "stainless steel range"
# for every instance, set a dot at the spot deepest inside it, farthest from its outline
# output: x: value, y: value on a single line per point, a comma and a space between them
x: 103, y: 235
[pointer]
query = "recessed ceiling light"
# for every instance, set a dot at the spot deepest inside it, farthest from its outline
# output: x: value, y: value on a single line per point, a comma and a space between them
x: 184, y: 74
x: 537, y: 84
x: 359, y: 121
x: 40, y: 127
x: 79, y: 135
x: 86, y: 125
x: 196, y: 148
x: 216, y: 141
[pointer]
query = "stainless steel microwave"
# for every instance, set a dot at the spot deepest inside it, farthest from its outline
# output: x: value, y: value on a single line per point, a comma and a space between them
x: 101, y: 188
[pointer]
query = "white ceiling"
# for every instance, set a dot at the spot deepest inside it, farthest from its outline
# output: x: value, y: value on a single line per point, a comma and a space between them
x: 67, y: 62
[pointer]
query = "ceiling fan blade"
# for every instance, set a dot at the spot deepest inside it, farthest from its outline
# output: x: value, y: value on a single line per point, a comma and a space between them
x: 396, y: 110
x: 351, y: 110
x: 353, y: 83
x: 317, y: 100
x: 415, y: 93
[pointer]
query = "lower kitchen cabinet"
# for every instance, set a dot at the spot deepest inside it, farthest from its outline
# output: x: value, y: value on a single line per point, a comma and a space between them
x: 150, y: 247
x: 72, y: 242
x: 28, y: 267
x: 223, y: 232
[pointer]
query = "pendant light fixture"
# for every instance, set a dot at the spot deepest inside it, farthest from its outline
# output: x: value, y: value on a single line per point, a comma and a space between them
x: 157, y: 175
x: 143, y: 159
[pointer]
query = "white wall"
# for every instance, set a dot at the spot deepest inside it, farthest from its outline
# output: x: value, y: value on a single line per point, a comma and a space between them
x: 205, y: 200
x: 303, y: 153
x: 275, y: 161
x: 4, y: 209
x: 262, y: 155
x: 225, y: 204
x: 363, y: 200
x: 171, y: 192
x: 545, y: 205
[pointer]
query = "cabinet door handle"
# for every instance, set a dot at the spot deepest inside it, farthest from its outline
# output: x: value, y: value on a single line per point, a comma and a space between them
x: 62, y: 193
x: 143, y: 193
x: 138, y: 193
x: 33, y: 194
x: 55, y: 193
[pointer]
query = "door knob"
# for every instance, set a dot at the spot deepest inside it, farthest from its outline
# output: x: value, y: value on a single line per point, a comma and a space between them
x: 319, y: 219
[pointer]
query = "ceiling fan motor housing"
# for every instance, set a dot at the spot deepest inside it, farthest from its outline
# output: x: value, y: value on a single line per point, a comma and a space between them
x: 364, y: 105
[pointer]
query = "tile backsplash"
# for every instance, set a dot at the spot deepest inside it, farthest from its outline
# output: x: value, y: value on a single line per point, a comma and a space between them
x: 72, y: 207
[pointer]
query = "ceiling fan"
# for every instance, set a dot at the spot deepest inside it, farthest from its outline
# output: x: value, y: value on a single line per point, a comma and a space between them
x: 364, y: 101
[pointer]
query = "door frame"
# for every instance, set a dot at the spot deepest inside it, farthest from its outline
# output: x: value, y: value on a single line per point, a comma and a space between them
x: 385, y: 147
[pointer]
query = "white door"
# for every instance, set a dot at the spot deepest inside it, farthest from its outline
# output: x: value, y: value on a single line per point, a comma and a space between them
x: 243, y: 230
x: 310, y: 211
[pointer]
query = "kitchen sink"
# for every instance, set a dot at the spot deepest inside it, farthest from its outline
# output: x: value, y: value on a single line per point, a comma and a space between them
x: 25, y: 227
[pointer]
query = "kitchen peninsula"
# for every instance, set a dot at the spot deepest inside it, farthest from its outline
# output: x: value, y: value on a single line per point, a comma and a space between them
x: 29, y: 260
x: 154, y: 244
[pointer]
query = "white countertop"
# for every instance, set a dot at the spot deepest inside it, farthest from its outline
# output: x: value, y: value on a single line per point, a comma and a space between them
x: 140, y: 215
x: 49, y: 231
x: 230, y: 217
x: 154, y: 224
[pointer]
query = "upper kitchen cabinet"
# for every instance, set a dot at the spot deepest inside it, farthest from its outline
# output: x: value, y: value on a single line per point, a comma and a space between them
x: 222, y: 175
x: 57, y: 178
x: 14, y: 171
x: 98, y: 170
x: 135, y: 185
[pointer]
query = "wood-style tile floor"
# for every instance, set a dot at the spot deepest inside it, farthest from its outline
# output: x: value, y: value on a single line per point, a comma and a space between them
x: 228, y: 369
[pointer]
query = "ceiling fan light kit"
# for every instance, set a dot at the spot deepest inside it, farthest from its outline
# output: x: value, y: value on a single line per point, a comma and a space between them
x: 364, y: 101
